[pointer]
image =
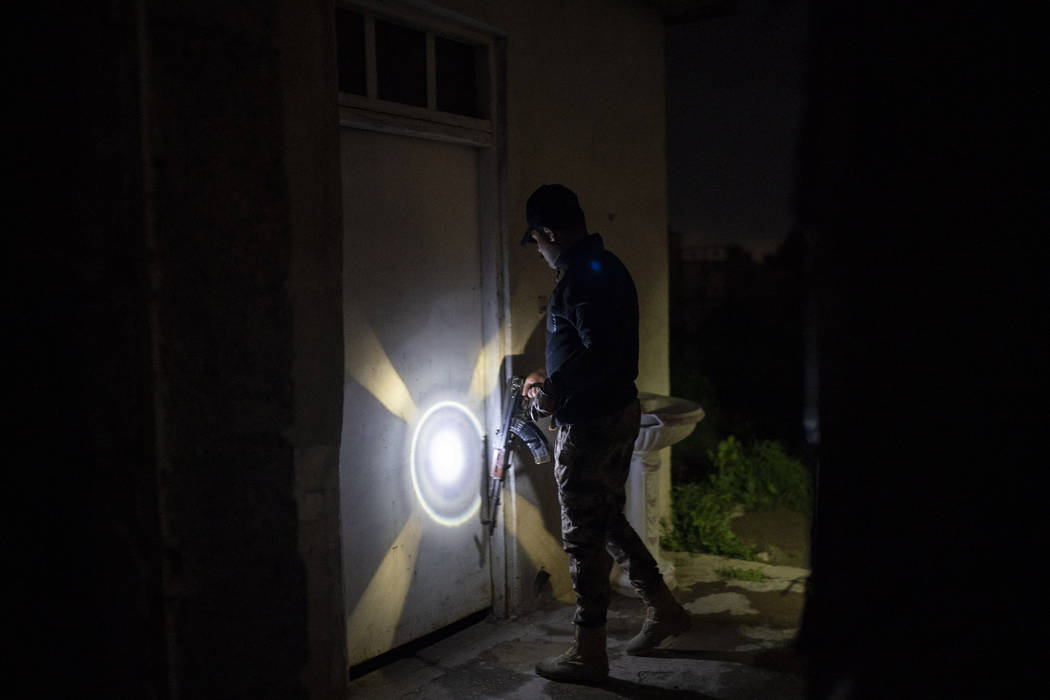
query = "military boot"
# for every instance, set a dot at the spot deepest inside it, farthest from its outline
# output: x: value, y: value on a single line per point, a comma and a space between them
x: 665, y: 617
x: 586, y: 661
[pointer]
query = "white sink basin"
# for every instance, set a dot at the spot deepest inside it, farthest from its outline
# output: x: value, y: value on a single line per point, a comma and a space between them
x: 665, y: 421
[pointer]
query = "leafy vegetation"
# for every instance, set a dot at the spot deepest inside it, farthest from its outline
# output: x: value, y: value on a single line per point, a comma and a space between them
x: 759, y: 476
x: 737, y: 342
x: 700, y: 523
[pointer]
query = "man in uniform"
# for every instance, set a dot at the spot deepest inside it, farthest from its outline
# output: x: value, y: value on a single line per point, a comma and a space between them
x: 588, y: 390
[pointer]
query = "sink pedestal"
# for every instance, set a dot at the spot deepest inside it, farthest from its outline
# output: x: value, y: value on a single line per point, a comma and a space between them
x: 643, y: 512
x: 665, y: 421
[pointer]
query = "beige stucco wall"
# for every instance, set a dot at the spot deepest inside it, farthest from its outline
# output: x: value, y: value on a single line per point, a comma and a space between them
x: 585, y: 107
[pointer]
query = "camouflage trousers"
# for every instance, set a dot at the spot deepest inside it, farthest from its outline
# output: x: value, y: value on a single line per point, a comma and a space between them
x: 592, y: 461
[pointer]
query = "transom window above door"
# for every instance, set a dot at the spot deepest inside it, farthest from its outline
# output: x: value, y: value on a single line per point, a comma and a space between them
x: 403, y: 70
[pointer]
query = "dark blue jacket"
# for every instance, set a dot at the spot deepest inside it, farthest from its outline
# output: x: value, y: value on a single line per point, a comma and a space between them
x: 592, y: 334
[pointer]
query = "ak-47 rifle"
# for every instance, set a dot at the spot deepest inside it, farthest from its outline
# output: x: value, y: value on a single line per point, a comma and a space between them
x: 516, y: 427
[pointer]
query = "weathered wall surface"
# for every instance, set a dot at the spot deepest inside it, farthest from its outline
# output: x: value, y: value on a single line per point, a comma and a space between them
x: 220, y: 226
x: 178, y: 263
x: 241, y: 110
x: 82, y: 541
x: 306, y: 45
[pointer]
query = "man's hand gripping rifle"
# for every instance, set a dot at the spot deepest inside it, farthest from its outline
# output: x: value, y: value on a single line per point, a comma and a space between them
x: 516, y: 427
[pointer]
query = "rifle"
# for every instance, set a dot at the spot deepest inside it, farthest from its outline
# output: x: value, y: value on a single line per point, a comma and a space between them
x: 516, y: 428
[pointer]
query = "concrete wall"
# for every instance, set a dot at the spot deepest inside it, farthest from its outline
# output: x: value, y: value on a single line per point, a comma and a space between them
x: 306, y: 43
x: 178, y: 322
x: 246, y: 327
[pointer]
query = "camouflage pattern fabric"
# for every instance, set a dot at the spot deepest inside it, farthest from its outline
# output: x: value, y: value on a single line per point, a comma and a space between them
x: 592, y: 461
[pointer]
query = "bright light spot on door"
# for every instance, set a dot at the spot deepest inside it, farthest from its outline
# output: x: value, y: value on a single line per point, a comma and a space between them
x: 447, y: 463
x: 446, y: 457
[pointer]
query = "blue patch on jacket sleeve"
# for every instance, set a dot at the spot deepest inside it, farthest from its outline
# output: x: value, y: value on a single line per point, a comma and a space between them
x: 595, y: 265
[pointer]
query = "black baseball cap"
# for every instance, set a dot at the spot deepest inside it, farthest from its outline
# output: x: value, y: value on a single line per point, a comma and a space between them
x: 553, y: 206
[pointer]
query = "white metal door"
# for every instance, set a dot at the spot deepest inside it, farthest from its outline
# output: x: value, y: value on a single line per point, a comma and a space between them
x: 411, y: 462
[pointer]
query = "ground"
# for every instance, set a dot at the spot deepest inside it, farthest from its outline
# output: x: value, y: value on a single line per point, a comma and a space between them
x: 781, y: 534
x: 739, y: 646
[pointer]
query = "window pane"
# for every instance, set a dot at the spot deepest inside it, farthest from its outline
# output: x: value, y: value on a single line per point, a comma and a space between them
x: 350, y: 45
x: 457, y: 77
x: 401, y: 64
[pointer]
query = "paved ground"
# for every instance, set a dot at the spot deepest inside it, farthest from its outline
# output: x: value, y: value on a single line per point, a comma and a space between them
x: 738, y: 647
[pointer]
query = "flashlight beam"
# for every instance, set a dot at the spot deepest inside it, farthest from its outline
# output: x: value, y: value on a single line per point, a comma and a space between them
x: 418, y: 465
x: 367, y: 363
x: 483, y: 381
x: 372, y: 625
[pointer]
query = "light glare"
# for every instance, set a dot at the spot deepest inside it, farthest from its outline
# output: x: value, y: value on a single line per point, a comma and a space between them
x: 446, y: 457
x: 441, y: 462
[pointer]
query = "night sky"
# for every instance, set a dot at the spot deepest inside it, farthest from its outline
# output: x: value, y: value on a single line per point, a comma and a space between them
x: 734, y: 96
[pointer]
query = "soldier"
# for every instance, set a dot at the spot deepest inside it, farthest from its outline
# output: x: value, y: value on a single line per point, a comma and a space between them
x: 588, y: 390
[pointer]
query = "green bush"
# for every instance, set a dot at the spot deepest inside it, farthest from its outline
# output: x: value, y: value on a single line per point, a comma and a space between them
x: 760, y: 477
x: 700, y: 523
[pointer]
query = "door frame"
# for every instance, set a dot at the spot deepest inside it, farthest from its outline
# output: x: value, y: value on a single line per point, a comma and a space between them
x: 488, y: 138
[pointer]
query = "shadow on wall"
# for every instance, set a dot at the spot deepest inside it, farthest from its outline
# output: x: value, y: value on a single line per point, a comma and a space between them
x: 537, y: 529
x: 544, y: 489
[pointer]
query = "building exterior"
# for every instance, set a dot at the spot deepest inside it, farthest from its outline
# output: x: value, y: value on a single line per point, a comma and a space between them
x: 248, y: 283
x: 450, y: 115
